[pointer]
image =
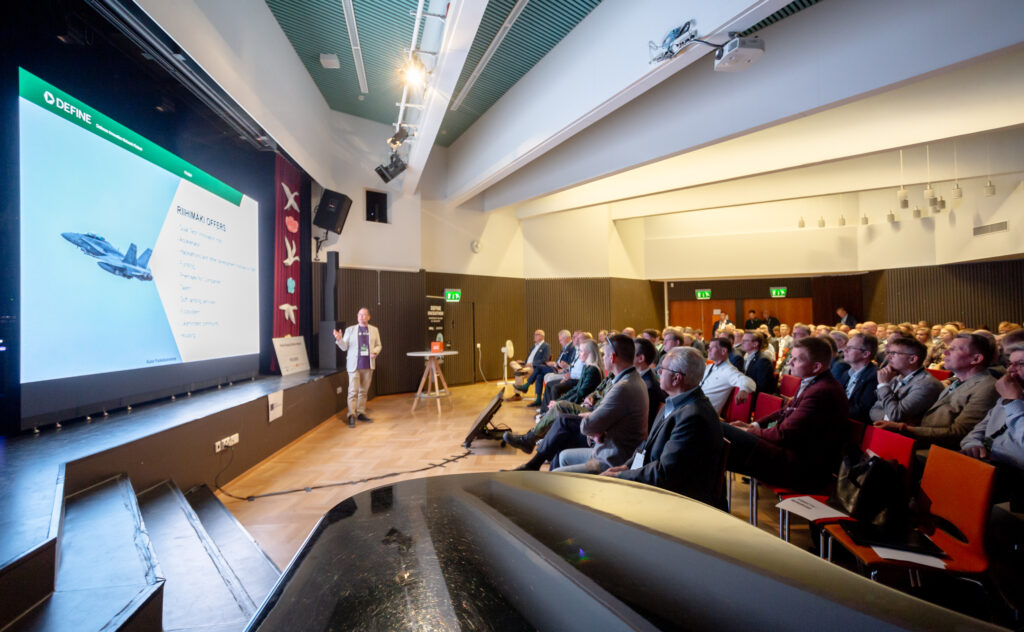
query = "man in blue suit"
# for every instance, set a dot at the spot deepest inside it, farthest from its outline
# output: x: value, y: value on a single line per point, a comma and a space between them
x: 756, y: 365
x: 860, y: 376
x: 537, y: 365
x: 683, y: 451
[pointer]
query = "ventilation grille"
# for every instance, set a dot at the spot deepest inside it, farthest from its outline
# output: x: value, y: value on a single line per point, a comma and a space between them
x: 988, y: 229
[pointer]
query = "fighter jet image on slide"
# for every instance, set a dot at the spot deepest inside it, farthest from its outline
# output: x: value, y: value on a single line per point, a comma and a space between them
x: 110, y: 258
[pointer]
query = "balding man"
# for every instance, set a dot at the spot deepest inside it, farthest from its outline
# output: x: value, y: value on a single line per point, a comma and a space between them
x: 362, y: 342
x: 537, y: 366
x: 682, y: 451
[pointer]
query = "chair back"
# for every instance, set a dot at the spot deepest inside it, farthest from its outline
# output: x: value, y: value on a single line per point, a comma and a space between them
x: 856, y: 430
x: 940, y: 375
x: 737, y: 412
x: 789, y: 385
x: 766, y: 405
x: 958, y: 489
x: 726, y: 444
x: 888, y: 445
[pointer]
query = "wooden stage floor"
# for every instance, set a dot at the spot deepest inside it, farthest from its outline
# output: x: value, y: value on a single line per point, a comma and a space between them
x: 397, y: 441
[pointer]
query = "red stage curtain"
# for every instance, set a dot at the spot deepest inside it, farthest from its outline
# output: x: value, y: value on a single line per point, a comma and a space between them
x: 286, y: 251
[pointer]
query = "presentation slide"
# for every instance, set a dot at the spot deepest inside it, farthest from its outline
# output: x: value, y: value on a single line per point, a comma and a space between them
x: 130, y: 256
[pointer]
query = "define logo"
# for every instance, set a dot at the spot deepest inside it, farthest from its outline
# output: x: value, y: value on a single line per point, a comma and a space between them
x: 61, y: 104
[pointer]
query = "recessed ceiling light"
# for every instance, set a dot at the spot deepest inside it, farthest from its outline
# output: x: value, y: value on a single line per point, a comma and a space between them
x: 329, y: 60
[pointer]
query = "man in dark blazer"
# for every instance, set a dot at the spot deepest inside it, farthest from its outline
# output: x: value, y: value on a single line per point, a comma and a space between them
x: 799, y: 446
x: 845, y: 317
x: 683, y: 451
x: 619, y: 424
x: 756, y: 365
x: 752, y: 322
x: 537, y: 364
x: 860, y: 376
x: 642, y: 361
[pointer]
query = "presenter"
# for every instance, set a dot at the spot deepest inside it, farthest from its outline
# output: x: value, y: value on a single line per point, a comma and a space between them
x: 362, y: 342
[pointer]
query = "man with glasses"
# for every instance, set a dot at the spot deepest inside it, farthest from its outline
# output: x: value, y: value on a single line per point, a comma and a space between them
x: 905, y: 389
x: 999, y: 437
x: 964, y: 402
x: 860, y: 376
x: 682, y: 451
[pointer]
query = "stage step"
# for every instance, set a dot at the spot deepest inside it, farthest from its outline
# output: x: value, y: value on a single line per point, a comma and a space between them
x: 251, y: 564
x: 202, y: 591
x: 107, y: 575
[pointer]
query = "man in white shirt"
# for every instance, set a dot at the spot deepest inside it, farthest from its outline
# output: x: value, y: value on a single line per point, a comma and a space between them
x: 721, y: 376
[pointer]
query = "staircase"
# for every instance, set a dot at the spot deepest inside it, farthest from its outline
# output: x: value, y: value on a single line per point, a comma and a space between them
x: 159, y: 560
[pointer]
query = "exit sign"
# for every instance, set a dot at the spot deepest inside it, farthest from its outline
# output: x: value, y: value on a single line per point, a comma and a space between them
x: 453, y: 296
x: 703, y: 295
x: 778, y: 292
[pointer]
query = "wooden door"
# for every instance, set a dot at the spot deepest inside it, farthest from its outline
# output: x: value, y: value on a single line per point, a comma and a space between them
x: 699, y: 314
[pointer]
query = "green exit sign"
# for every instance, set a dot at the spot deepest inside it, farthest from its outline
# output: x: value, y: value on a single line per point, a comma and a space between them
x: 778, y: 292
x: 703, y: 295
x: 453, y: 296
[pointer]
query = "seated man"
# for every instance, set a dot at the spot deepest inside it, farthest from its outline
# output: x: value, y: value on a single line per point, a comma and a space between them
x: 619, y: 424
x: 800, y: 445
x: 860, y: 377
x: 561, y: 367
x: 536, y: 365
x: 964, y: 402
x: 721, y: 376
x: 682, y: 452
x: 643, y: 362
x: 999, y: 437
x: 756, y: 366
x: 800, y: 331
x: 906, y: 390
x: 672, y: 337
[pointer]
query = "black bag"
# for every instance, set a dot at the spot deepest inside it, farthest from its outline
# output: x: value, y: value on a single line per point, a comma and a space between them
x: 873, y: 490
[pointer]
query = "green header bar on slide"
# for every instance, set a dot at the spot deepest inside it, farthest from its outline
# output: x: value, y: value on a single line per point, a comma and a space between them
x: 35, y: 90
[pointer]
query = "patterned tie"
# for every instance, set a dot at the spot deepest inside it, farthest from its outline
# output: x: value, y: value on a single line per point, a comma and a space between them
x: 852, y: 384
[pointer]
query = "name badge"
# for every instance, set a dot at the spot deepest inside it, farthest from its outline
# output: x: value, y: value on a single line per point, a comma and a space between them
x: 638, y: 461
x: 364, y: 350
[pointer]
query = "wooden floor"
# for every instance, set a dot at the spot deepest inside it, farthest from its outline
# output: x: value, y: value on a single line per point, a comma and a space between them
x: 397, y: 441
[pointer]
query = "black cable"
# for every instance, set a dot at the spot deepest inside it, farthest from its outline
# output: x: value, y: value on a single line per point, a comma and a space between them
x: 445, y: 461
x: 707, y: 43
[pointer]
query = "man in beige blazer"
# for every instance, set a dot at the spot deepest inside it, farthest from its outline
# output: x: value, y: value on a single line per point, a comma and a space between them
x: 362, y: 342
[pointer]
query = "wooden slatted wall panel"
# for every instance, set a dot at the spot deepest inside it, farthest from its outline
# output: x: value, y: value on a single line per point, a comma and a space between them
x: 637, y: 303
x: 396, y: 301
x: 832, y: 292
x: 976, y: 293
x: 492, y: 310
x: 873, y: 288
x: 554, y: 304
x: 317, y: 274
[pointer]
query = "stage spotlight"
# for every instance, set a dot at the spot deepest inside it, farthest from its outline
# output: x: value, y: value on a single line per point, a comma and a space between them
x: 396, y: 141
x: 391, y: 170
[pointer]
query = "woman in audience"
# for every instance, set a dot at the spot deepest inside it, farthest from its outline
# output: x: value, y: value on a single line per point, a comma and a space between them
x: 935, y: 359
x: 570, y: 403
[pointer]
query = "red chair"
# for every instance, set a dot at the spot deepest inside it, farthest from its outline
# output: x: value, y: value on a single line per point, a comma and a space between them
x: 958, y: 490
x: 940, y: 375
x: 737, y: 412
x: 766, y: 405
x: 789, y: 385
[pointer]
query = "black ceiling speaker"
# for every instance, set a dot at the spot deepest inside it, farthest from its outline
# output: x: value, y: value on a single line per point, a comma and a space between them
x: 332, y: 211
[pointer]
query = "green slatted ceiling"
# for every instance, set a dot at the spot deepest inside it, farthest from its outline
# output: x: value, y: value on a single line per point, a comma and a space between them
x: 385, y: 31
x: 540, y: 26
x: 781, y: 14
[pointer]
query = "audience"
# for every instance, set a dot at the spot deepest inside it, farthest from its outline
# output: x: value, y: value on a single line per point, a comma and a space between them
x: 644, y: 361
x: 964, y: 402
x: 999, y: 437
x: 860, y: 377
x: 905, y: 389
x: 683, y: 450
x: 936, y: 356
x: 616, y: 427
x: 561, y: 367
x: 536, y: 365
x: 756, y: 366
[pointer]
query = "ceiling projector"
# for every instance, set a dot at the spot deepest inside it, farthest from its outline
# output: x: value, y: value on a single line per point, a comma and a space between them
x: 738, y: 53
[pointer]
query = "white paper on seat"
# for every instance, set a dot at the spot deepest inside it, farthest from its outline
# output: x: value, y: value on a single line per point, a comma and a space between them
x: 809, y: 508
x: 907, y: 556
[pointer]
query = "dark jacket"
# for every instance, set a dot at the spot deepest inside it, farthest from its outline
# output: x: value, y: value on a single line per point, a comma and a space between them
x: 864, y: 393
x: 683, y: 450
x: 655, y: 396
x: 762, y: 371
x: 543, y: 355
x: 588, y: 381
x: 620, y: 421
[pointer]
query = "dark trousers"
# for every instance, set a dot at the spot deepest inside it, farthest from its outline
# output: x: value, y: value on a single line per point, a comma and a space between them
x: 564, y: 434
x: 537, y: 379
x: 559, y: 389
x: 742, y: 447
